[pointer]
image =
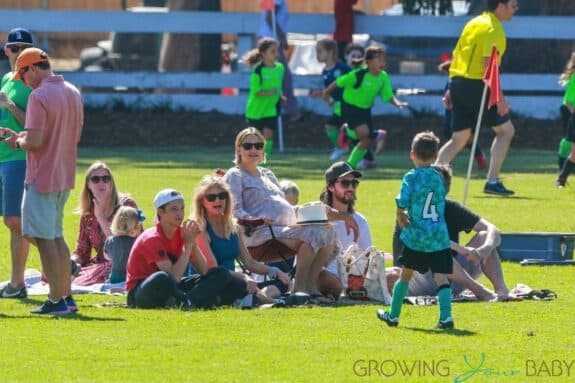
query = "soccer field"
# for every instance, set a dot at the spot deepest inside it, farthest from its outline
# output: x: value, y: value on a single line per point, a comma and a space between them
x: 526, y: 341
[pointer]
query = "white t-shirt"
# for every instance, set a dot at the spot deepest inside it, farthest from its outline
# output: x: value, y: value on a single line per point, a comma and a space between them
x: 345, y: 239
x: 282, y: 14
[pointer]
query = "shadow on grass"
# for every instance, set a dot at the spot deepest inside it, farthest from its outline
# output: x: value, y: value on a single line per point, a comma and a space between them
x: 451, y: 332
x: 85, y: 318
x: 505, y: 197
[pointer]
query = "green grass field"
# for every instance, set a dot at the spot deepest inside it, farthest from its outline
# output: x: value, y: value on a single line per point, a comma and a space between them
x: 520, y: 342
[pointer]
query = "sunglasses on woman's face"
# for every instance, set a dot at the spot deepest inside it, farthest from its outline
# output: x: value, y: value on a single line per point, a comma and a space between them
x: 212, y: 197
x: 98, y: 179
x: 348, y: 183
x: 256, y: 145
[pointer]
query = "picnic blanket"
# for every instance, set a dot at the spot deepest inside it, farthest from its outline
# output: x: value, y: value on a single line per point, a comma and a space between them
x: 521, y: 291
x: 35, y: 285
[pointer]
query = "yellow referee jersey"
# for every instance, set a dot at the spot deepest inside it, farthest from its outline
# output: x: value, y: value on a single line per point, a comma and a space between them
x: 477, y: 39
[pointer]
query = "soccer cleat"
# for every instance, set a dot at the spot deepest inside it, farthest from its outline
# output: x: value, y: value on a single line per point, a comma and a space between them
x: 366, y: 164
x: 10, y: 292
x: 497, y: 189
x: 445, y: 324
x: 560, y: 182
x: 51, y: 308
x: 337, y: 153
x: 384, y: 316
x: 480, y: 161
x: 380, y: 141
x: 71, y: 303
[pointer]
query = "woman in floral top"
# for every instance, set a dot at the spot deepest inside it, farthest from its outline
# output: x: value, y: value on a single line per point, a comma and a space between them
x: 98, y: 203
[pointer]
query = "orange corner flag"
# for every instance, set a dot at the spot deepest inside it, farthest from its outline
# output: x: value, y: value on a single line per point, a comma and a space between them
x: 491, y: 78
x: 267, y: 5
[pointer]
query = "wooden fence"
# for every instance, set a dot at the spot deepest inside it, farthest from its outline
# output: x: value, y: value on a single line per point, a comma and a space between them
x: 536, y: 95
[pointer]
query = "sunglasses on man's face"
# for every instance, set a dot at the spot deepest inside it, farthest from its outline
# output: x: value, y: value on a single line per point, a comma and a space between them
x: 256, y: 145
x: 98, y: 179
x: 17, y: 48
x: 212, y: 197
x: 347, y: 183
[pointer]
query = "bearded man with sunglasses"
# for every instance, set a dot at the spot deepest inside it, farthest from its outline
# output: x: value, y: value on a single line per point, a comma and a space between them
x: 13, y: 100
x: 54, y: 120
x: 342, y: 182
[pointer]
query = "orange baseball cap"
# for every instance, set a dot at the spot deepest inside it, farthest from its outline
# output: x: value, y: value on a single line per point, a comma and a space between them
x: 27, y: 57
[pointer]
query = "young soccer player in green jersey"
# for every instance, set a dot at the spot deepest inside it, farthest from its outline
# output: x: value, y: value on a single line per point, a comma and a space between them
x: 360, y: 89
x: 263, y: 106
x: 567, y: 79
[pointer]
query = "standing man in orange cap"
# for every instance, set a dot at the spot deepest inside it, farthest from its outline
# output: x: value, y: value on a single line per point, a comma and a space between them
x: 54, y: 120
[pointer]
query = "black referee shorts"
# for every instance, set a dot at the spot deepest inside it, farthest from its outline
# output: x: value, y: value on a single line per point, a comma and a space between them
x: 466, y: 99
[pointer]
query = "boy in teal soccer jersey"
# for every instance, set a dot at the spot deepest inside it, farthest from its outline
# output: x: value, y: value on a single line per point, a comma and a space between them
x: 360, y: 89
x: 420, y: 209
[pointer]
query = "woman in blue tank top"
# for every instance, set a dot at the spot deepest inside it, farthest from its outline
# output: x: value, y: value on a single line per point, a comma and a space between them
x: 221, y: 242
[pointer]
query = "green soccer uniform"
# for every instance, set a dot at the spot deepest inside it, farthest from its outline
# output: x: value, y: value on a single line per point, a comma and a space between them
x: 569, y: 96
x: 265, y: 78
x: 364, y: 95
x: 17, y: 92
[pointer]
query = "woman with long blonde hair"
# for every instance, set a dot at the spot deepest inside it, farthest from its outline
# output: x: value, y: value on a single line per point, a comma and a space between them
x: 257, y: 196
x: 99, y: 201
x: 222, y: 244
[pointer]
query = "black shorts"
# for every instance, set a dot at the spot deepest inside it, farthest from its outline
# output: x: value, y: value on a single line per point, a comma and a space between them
x: 267, y: 122
x: 466, y: 99
x: 439, y: 262
x: 570, y: 134
x: 355, y: 117
x: 335, y: 120
x: 565, y: 117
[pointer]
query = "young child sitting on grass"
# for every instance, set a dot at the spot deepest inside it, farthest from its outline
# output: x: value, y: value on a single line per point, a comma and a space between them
x: 291, y: 191
x: 420, y: 212
x: 125, y: 227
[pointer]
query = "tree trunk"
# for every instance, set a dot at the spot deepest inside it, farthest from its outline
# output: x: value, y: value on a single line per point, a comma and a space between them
x: 185, y: 52
x: 180, y: 51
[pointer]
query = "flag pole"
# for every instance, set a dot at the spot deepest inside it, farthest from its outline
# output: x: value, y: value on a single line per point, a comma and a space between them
x: 474, y: 144
x: 280, y: 122
x: 490, y: 80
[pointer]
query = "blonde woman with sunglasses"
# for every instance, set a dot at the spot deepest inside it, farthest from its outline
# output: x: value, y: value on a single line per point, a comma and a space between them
x: 99, y: 201
x: 257, y: 196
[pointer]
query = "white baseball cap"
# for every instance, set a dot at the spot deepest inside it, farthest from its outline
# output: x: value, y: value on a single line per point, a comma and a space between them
x: 166, y: 196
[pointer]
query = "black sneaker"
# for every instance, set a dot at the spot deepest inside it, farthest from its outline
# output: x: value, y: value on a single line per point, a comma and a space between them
x: 10, y: 292
x: 560, y: 182
x: 71, y: 303
x: 384, y: 316
x: 186, y: 304
x: 497, y: 189
x: 50, y: 308
x: 445, y: 324
x: 75, y: 268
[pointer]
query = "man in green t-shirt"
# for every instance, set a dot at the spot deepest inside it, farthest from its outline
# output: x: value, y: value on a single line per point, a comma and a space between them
x: 13, y: 100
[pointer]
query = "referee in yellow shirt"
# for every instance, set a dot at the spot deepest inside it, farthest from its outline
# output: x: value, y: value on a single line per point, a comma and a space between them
x: 470, y: 58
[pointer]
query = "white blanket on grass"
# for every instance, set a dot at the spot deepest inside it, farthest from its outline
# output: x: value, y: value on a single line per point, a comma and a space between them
x: 35, y: 285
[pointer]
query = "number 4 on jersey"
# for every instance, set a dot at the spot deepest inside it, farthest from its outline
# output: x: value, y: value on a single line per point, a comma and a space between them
x: 429, y: 210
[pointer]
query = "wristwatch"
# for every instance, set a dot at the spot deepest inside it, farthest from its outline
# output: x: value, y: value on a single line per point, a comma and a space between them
x: 18, y: 145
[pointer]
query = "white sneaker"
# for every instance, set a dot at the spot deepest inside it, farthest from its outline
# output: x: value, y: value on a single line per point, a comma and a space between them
x: 336, y: 153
